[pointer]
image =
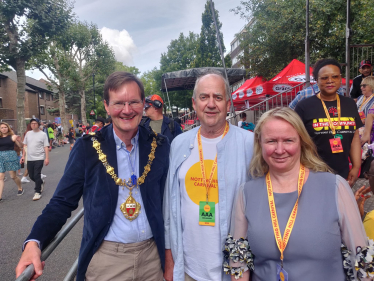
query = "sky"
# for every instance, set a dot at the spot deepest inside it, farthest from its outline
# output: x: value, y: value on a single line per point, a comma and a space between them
x: 139, y: 31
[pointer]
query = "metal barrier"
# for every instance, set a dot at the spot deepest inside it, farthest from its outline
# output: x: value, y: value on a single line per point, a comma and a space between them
x: 29, y: 271
x: 189, y: 121
x: 279, y: 100
x: 359, y: 53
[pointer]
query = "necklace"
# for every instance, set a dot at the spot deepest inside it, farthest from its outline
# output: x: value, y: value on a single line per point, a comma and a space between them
x: 130, y: 208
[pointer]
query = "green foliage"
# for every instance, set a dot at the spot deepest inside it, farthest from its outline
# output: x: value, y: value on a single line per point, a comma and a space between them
x: 151, y: 85
x: 208, y: 49
x: 131, y: 69
x: 276, y: 32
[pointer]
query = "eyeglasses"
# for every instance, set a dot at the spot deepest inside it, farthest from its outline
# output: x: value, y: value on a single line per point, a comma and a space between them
x: 333, y: 78
x: 363, y: 85
x: 366, y: 174
x: 135, y: 104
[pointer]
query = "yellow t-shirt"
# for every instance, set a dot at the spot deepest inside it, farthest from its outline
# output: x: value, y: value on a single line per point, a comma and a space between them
x: 369, y: 225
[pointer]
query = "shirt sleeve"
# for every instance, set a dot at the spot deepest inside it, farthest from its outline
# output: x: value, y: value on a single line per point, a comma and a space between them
x: 351, y: 228
x: 354, y: 93
x: 295, y: 101
x: 46, y: 142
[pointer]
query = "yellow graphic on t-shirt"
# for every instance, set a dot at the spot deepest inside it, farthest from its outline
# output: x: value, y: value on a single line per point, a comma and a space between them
x: 195, y: 185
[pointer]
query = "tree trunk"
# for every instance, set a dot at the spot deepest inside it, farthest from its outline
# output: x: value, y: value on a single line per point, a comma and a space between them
x: 83, y: 106
x: 62, y: 108
x: 21, y: 86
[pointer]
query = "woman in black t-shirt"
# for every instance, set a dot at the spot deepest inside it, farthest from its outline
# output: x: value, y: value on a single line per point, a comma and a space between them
x: 8, y: 156
x: 333, y: 121
x: 71, y: 138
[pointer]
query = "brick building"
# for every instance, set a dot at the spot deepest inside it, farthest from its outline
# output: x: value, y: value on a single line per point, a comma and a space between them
x: 38, y: 99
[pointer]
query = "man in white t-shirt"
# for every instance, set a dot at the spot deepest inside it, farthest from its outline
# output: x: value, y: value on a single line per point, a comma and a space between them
x: 200, y: 190
x: 37, y: 145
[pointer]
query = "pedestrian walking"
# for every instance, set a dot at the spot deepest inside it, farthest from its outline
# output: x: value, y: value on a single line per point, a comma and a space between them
x: 37, y: 144
x: 51, y: 135
x: 71, y: 138
x: 8, y: 156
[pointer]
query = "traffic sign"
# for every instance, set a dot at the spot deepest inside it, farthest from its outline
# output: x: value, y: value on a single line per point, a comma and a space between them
x: 92, y: 112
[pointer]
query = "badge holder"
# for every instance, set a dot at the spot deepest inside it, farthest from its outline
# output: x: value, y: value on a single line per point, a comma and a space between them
x: 207, y: 213
x: 336, y: 145
x: 282, y: 275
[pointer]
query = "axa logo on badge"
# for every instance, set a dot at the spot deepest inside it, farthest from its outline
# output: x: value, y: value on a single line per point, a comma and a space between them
x: 259, y: 90
x: 241, y: 94
x: 234, y: 96
x: 249, y: 92
x: 281, y: 88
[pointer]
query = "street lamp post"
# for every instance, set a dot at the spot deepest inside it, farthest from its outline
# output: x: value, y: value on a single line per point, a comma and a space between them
x: 93, y: 86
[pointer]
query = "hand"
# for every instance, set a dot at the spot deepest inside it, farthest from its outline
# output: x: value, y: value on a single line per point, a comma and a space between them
x: 169, y: 265
x: 361, y: 198
x: 31, y: 255
x: 16, y: 138
x: 352, y: 176
x: 22, y: 160
x: 365, y: 138
x: 46, y: 162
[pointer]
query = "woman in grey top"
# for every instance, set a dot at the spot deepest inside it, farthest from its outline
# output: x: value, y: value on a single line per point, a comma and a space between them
x: 290, y: 221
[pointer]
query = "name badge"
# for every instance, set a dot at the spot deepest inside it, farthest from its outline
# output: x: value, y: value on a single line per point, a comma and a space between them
x: 207, y: 213
x: 336, y: 145
x: 282, y: 275
x: 362, y: 116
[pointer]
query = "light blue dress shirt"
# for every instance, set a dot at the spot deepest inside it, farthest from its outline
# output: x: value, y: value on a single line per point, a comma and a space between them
x: 122, y: 230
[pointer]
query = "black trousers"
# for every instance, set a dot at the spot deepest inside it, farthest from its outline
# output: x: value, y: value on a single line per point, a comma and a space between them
x: 35, y: 170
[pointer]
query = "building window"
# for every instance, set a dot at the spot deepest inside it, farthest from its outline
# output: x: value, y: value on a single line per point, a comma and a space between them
x: 47, y: 96
x: 41, y: 95
x: 1, y: 102
x: 42, y: 110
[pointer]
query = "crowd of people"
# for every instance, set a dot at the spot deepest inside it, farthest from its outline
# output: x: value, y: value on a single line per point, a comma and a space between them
x: 218, y: 202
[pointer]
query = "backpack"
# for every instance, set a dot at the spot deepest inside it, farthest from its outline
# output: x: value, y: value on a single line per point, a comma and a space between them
x: 59, y: 132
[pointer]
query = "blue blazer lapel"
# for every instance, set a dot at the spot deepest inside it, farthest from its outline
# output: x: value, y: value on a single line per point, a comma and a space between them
x: 108, y: 146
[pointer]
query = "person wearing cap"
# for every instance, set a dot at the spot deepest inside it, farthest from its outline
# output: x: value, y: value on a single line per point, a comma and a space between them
x: 37, y: 145
x: 366, y: 69
x: 157, y: 121
x: 99, y: 123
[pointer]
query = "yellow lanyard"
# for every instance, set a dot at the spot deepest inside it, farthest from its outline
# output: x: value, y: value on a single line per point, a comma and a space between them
x: 328, y: 114
x: 282, y: 243
x: 202, y: 165
x: 365, y: 101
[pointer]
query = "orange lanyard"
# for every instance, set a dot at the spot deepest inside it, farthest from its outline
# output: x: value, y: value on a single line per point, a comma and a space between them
x: 365, y: 101
x: 202, y: 165
x: 333, y: 129
x: 282, y: 243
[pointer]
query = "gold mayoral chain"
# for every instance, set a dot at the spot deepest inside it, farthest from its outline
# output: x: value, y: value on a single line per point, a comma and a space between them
x: 130, y: 208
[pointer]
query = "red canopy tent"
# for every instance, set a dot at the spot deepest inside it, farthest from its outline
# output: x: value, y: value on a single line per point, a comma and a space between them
x: 292, y: 75
x: 245, y: 91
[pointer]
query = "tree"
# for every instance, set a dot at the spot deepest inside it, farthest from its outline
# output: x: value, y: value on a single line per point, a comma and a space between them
x: 276, y: 31
x: 208, y: 53
x: 180, y: 55
x: 26, y: 28
x: 131, y: 69
x: 90, y: 55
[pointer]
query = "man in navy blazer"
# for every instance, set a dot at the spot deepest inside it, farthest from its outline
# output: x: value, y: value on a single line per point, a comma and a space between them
x: 122, y: 222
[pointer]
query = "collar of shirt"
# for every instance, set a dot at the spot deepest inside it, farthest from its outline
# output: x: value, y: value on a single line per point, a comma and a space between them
x: 121, y: 145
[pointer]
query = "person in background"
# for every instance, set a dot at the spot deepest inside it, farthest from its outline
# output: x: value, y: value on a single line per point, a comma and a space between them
x: 99, y: 124
x: 243, y: 118
x: 59, y: 134
x: 108, y: 121
x: 78, y: 131
x: 51, y: 134
x: 8, y: 157
x: 24, y: 153
x: 332, y: 121
x: 365, y: 105
x: 157, y: 121
x: 37, y: 145
x: 71, y: 138
x: 293, y: 215
x: 366, y: 69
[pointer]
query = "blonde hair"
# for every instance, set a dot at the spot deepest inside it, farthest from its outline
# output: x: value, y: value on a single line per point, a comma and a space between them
x: 309, y: 157
x: 10, y: 131
x: 369, y: 81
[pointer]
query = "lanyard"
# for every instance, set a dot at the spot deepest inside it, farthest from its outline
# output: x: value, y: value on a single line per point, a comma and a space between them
x: 282, y: 243
x: 202, y: 165
x: 333, y: 129
x: 365, y: 101
x: 133, y: 176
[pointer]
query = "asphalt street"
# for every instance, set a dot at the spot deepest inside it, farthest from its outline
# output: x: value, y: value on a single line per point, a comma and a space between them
x: 18, y: 214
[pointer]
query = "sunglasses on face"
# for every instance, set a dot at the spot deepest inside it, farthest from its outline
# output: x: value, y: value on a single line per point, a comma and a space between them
x: 367, y: 175
x: 363, y: 85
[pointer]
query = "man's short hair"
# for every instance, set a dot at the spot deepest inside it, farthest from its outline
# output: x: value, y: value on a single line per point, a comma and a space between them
x: 214, y: 72
x: 243, y: 115
x: 118, y: 79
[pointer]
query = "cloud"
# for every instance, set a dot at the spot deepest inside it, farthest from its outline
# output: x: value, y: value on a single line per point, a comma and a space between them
x: 122, y: 44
